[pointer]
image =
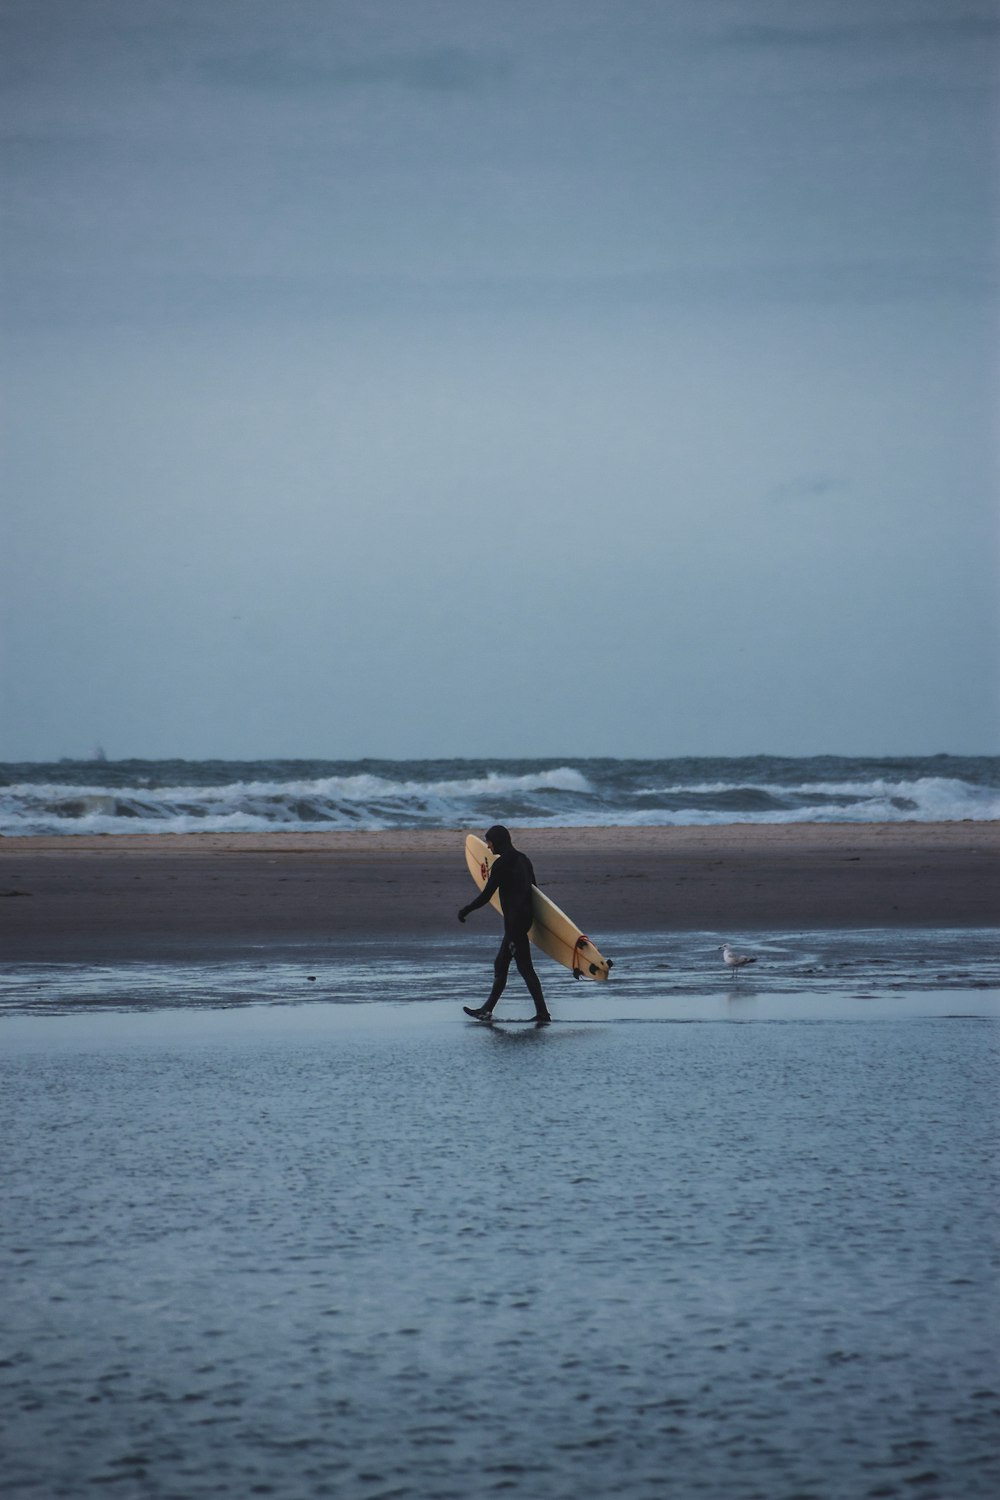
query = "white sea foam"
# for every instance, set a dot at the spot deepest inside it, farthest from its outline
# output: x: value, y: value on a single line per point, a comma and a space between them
x: 361, y: 801
x: 609, y: 792
x: 925, y: 798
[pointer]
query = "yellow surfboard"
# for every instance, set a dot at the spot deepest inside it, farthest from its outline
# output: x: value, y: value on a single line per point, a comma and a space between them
x: 552, y: 930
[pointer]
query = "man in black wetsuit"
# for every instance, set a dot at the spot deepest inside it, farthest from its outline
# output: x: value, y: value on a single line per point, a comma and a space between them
x: 513, y: 876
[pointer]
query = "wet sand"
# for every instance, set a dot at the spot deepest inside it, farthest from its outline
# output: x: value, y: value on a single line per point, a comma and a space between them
x: 372, y: 1249
x: 313, y: 1232
x: 101, y: 899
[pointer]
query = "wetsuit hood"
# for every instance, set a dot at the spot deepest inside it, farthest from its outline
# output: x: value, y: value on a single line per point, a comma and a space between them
x: 500, y: 838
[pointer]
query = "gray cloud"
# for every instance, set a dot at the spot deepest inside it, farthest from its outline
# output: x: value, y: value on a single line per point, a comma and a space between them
x: 140, y: 299
x: 900, y: 31
x: 808, y: 487
x: 318, y: 307
x: 435, y: 70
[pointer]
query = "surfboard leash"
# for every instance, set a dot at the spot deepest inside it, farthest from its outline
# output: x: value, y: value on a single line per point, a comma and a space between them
x: 583, y: 942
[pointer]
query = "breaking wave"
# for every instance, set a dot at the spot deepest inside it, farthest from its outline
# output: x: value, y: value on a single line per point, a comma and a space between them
x: 256, y: 797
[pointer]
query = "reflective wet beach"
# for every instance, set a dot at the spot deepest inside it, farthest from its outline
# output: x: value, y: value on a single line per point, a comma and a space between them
x: 700, y: 1236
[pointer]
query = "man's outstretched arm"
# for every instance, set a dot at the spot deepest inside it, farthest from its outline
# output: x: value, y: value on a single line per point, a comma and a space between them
x: 485, y: 895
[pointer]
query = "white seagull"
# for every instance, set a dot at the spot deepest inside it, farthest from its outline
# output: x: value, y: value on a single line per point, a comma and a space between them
x: 735, y: 961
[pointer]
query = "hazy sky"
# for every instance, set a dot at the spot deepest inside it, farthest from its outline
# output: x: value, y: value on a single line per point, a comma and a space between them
x: 528, y: 377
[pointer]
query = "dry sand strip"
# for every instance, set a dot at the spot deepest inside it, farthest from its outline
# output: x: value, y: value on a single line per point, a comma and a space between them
x: 166, y: 896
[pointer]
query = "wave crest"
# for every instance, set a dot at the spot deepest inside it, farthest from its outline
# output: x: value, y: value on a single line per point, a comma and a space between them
x: 460, y: 794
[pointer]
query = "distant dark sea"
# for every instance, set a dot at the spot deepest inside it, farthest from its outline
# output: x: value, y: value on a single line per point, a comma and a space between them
x: 223, y: 796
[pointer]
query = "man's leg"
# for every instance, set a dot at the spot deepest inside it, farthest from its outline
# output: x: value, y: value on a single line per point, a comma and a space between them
x: 526, y: 969
x: 501, y: 968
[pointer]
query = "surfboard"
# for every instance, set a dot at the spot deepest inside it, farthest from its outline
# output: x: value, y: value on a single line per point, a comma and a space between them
x: 552, y: 930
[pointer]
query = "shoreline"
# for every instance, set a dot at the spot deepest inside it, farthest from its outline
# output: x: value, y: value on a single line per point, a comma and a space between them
x: 107, y: 898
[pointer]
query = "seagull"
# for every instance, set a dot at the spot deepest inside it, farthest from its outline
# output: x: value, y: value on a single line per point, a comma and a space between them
x: 735, y: 961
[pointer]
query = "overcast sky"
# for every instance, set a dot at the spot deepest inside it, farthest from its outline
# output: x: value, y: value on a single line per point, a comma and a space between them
x: 525, y: 377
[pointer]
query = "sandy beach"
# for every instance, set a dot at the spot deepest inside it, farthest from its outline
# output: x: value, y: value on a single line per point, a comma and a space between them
x: 97, y: 899
x: 282, y: 1220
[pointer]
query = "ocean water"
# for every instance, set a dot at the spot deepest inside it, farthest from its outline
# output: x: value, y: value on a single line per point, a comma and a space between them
x: 100, y: 796
x: 274, y: 1234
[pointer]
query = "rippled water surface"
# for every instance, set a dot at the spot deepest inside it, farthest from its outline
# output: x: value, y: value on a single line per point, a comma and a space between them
x: 695, y: 1238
